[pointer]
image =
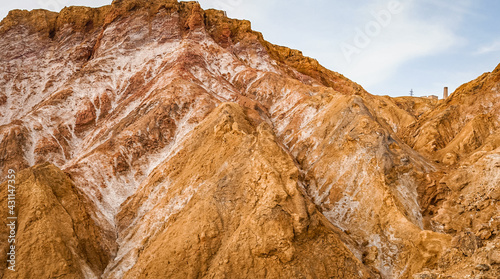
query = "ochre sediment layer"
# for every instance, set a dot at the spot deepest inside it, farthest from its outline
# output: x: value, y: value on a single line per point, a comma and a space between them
x: 157, y: 139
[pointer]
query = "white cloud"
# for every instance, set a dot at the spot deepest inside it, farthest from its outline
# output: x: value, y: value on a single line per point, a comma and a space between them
x: 408, y: 36
x: 460, y: 7
x: 492, y: 47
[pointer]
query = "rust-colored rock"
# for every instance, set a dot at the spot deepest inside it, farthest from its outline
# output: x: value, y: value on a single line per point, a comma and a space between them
x: 3, y: 99
x: 181, y: 144
x: 85, y: 117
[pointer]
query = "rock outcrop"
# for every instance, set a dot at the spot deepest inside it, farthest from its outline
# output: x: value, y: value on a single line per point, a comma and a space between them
x: 157, y: 139
x: 55, y: 229
x: 462, y: 136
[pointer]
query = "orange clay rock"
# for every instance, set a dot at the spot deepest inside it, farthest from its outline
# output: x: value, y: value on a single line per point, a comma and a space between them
x: 462, y: 123
x: 184, y: 145
x: 54, y: 228
x: 247, y: 214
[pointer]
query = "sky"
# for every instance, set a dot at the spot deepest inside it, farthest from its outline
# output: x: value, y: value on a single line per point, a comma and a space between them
x: 388, y: 46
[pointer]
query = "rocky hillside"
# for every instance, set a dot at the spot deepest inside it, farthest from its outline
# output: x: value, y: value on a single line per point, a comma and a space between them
x: 154, y: 139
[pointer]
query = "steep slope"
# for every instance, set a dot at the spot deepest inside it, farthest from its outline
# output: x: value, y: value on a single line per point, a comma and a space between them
x: 471, y: 213
x: 56, y: 236
x: 365, y: 180
x: 237, y: 191
x: 462, y: 123
x: 200, y: 150
x: 463, y: 133
x: 109, y: 120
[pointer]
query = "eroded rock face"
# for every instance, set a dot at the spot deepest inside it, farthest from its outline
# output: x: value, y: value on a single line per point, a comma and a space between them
x: 183, y: 145
x: 462, y: 136
x: 248, y: 213
x: 462, y: 123
x: 55, y: 227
